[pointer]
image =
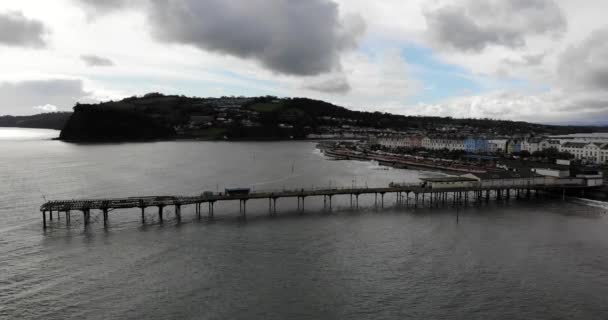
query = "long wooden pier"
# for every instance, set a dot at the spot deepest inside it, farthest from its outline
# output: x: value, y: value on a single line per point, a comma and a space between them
x: 413, y: 195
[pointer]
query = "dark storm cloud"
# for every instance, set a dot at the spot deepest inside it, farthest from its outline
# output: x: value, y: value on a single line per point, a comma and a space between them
x: 287, y: 36
x: 290, y: 37
x: 473, y: 25
x: 18, y: 30
x: 334, y: 85
x: 96, y: 61
x: 28, y: 96
x: 585, y: 66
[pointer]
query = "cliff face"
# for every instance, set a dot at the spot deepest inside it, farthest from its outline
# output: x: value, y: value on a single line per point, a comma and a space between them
x: 94, y: 123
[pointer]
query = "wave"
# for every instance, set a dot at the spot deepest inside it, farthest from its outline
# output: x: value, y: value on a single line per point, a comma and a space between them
x: 591, y: 203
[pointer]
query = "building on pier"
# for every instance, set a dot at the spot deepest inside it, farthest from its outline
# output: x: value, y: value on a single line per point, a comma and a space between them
x: 449, y: 182
x: 504, y: 179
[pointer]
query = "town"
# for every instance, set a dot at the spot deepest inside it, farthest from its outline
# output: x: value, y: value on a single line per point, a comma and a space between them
x: 481, y: 158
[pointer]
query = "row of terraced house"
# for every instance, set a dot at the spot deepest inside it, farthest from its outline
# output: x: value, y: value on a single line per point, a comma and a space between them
x: 590, y: 151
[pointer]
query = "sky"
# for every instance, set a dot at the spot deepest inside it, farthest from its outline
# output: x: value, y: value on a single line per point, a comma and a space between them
x: 532, y: 60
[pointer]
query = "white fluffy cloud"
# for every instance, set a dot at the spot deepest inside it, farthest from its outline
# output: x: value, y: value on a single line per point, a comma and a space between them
x: 46, y: 108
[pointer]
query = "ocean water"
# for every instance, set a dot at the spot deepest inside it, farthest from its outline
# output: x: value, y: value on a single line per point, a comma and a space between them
x: 535, y: 259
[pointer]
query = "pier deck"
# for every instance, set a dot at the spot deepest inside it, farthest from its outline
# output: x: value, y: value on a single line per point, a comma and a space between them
x: 405, y: 194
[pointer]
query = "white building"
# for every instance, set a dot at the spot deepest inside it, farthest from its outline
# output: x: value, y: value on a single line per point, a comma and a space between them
x: 443, y: 143
x: 593, y: 152
x: 548, y: 143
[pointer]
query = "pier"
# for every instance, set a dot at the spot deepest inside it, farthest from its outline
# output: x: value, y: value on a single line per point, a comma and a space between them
x: 406, y: 195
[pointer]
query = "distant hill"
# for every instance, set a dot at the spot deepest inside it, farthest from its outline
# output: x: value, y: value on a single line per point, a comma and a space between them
x: 158, y: 116
x: 54, y: 120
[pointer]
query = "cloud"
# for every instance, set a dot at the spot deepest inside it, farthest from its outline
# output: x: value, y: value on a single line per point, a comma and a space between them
x: 302, y: 38
x: 470, y: 25
x: 337, y: 85
x: 22, y: 97
x: 96, y: 61
x: 46, y: 108
x: 584, y: 66
x: 555, y: 106
x: 103, y: 6
x: 18, y: 30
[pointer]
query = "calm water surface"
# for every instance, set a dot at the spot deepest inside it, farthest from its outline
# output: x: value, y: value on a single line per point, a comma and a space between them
x: 516, y: 260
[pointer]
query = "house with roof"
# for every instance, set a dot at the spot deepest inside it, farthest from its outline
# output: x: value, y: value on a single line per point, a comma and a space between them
x: 589, y: 151
x: 476, y: 145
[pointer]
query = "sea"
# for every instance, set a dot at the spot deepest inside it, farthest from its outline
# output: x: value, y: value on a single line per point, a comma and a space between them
x: 526, y: 259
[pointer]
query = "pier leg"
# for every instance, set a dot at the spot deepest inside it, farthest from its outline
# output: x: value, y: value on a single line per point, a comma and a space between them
x: 143, y: 214
x: 382, y: 196
x: 351, y: 200
x: 50, y: 215
x: 211, y: 212
x: 160, y: 214
x: 416, y: 200
x: 86, y: 216
x: 302, y: 204
x: 178, y: 212
x: 274, y: 207
x: 324, y: 202
x: 357, y: 200
x: 376, y: 200
x: 244, y: 208
x: 44, y: 219
x: 68, y: 217
x: 105, y: 217
x: 330, y: 202
x: 564, y: 194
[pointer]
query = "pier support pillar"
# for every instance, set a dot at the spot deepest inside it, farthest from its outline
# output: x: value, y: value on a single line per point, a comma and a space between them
x: 68, y: 217
x: 50, y: 215
x: 44, y: 219
x: 211, y: 211
x: 382, y: 199
x: 105, y: 217
x: 563, y: 194
x: 178, y: 212
x: 357, y: 200
x: 274, y: 206
x: 330, y: 200
x: 143, y: 214
x: 376, y: 200
x: 160, y: 214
